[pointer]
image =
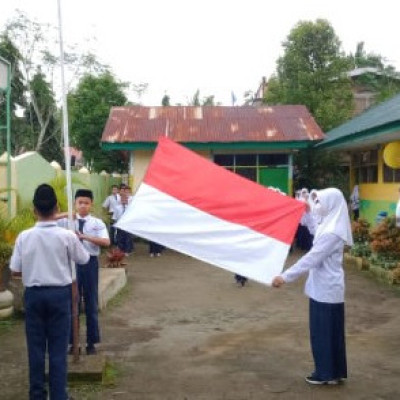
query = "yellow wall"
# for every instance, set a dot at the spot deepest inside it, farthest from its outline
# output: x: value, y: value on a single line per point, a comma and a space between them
x: 377, y: 197
x: 380, y: 191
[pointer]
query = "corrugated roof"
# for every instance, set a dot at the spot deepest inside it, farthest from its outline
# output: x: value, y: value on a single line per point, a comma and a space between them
x: 211, y: 124
x: 376, y: 117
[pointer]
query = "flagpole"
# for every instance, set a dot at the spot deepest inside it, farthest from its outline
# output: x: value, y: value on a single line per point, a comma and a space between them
x: 167, y: 128
x: 75, y: 322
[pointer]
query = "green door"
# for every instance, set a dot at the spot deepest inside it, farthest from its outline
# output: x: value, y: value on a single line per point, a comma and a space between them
x: 275, y: 176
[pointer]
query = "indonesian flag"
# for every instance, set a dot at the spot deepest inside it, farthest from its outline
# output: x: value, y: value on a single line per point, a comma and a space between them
x: 196, y: 207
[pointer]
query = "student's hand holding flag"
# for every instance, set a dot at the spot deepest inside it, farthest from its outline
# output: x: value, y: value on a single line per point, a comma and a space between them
x: 277, y: 282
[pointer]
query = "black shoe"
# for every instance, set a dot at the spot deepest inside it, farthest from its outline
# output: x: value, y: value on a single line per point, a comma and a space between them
x: 312, y: 380
x: 91, y: 350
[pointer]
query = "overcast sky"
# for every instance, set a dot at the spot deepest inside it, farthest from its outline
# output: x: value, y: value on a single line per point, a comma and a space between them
x: 216, y: 46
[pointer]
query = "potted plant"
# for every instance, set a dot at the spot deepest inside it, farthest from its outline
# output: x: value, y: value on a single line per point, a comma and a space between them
x: 11, y: 296
x: 6, y: 297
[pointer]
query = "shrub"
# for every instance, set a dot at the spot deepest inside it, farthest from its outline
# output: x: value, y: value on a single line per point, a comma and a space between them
x: 385, y: 238
x: 360, y: 230
x: 23, y: 220
x: 385, y: 243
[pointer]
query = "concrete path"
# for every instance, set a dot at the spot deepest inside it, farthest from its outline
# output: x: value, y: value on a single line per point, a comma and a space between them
x: 184, y: 330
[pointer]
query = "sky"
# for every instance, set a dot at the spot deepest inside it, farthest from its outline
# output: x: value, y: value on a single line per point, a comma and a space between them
x: 216, y: 46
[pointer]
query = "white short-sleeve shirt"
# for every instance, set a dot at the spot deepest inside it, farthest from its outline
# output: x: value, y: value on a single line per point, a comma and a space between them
x: 93, y: 227
x: 43, y: 255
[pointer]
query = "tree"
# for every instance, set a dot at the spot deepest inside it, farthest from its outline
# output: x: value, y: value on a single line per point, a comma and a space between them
x: 206, y: 101
x: 312, y: 72
x: 18, y: 125
x: 139, y: 89
x: 165, y: 102
x: 48, y: 129
x: 89, y: 107
x: 380, y: 78
x: 318, y: 170
x: 37, y: 62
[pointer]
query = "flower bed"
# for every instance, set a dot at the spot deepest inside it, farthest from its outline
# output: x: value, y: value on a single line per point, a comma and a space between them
x: 376, y: 250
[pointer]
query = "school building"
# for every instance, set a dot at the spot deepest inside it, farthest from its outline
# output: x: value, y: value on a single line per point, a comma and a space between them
x: 255, y: 142
x: 370, y: 142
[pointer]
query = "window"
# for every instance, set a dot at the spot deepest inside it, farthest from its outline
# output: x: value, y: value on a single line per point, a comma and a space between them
x: 390, y: 174
x: 225, y: 160
x: 365, y: 166
x: 246, y: 160
x: 249, y: 165
x: 273, y: 159
x: 249, y: 173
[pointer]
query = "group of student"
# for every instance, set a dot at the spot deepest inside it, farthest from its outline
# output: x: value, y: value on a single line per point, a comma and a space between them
x: 116, y: 204
x: 42, y: 257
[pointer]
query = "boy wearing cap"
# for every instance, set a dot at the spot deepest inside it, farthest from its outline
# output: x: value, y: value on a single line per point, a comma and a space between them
x: 93, y: 234
x: 42, y: 257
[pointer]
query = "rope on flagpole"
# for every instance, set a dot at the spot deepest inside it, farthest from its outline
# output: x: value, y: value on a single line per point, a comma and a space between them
x: 67, y: 157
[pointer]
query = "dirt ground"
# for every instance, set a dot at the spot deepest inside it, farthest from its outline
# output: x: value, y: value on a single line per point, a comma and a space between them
x: 185, y: 331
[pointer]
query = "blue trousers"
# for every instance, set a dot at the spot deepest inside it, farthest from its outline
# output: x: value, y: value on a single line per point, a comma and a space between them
x: 87, y: 277
x: 47, y: 323
x: 327, y: 336
x: 113, y: 233
x: 155, y: 248
x: 124, y: 241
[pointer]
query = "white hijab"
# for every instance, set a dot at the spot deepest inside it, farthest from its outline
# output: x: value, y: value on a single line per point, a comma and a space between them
x: 335, y: 215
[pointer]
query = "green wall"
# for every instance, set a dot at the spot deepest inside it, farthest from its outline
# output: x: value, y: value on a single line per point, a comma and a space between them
x: 31, y: 169
x: 369, y: 209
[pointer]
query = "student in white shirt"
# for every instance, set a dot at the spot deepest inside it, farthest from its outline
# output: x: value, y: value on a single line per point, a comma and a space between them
x: 124, y: 240
x: 93, y: 233
x: 355, y: 203
x: 398, y: 212
x: 42, y: 257
x: 111, y: 204
x: 325, y: 286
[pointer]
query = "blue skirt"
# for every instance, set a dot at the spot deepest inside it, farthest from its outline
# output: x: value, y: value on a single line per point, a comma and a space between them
x: 327, y: 335
x: 304, y: 238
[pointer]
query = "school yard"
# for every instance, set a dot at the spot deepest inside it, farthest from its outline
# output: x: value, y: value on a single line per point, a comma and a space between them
x: 182, y: 330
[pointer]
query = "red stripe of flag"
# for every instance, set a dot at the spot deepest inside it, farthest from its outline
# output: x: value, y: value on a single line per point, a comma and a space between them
x: 221, y: 193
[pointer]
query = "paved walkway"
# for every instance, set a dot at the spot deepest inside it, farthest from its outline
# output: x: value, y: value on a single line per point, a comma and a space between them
x: 184, y: 330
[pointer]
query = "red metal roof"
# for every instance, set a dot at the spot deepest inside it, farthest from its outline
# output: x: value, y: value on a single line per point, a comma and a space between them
x: 211, y: 124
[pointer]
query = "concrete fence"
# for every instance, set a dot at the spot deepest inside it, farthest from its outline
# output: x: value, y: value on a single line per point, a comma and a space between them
x: 30, y: 169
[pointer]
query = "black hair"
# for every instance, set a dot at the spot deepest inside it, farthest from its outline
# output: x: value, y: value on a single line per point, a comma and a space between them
x: 84, y: 193
x: 45, y: 200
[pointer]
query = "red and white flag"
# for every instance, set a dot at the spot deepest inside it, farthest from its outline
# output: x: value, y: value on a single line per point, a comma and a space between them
x: 194, y: 206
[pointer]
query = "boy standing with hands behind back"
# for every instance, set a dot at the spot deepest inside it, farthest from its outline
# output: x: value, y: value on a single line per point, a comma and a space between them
x: 92, y: 232
x: 42, y: 257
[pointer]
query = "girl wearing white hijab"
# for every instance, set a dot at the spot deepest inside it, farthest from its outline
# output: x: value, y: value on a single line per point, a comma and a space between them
x: 325, y: 286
